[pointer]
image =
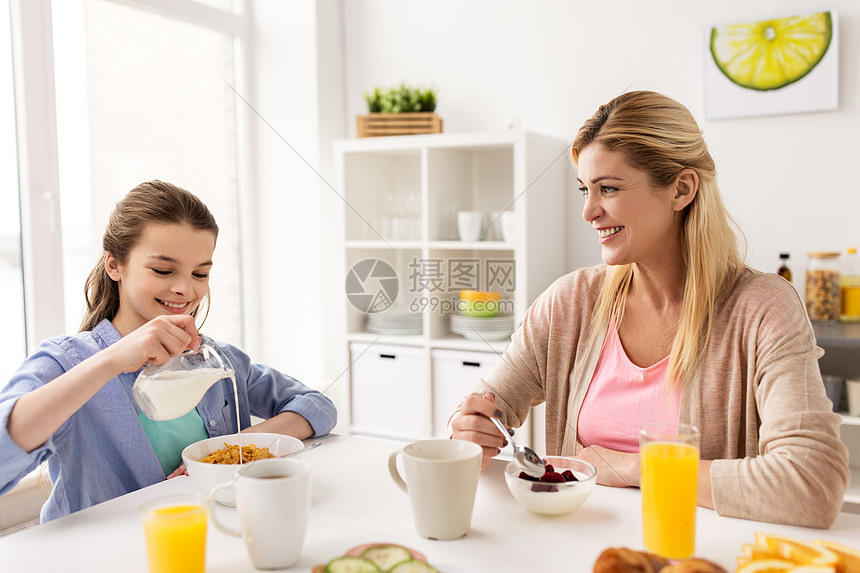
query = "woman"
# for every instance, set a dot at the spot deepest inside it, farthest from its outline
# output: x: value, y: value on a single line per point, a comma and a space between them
x: 71, y: 402
x: 672, y: 328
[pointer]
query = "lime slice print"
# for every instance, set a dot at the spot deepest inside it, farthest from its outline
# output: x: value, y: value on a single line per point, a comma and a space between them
x: 771, y: 54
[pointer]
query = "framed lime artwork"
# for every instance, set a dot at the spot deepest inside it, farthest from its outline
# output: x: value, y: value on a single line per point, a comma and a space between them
x: 776, y: 66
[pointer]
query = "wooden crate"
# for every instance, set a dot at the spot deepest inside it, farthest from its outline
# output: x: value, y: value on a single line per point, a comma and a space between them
x: 382, y: 124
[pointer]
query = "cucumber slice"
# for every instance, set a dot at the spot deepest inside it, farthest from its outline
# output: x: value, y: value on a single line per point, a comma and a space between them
x: 351, y: 565
x: 413, y: 566
x: 387, y: 556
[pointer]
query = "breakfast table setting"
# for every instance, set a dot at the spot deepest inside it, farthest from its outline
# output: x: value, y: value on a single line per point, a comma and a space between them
x: 355, y: 499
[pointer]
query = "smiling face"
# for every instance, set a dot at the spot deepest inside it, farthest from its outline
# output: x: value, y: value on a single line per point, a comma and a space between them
x: 167, y: 272
x: 636, y: 222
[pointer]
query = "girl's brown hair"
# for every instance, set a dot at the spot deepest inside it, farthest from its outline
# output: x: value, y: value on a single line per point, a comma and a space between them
x: 150, y: 202
x: 659, y: 136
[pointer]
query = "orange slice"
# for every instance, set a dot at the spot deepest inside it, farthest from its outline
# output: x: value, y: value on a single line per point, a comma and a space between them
x: 766, y: 566
x: 797, y: 551
x: 753, y: 552
x: 849, y: 559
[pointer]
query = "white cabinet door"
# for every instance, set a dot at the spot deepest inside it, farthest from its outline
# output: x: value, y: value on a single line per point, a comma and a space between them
x: 454, y: 374
x: 387, y: 390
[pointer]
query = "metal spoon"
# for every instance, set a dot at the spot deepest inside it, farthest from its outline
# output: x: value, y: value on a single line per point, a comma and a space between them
x: 303, y: 450
x: 525, y: 457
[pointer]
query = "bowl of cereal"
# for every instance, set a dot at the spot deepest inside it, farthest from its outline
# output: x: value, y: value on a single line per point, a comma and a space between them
x: 214, y: 461
x: 564, y: 487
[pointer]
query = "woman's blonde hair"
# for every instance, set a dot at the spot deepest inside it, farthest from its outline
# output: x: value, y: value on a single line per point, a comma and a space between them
x: 659, y: 136
x: 150, y: 202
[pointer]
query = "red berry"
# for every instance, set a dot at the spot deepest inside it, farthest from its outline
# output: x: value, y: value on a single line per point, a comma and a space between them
x: 568, y: 475
x: 524, y: 475
x: 549, y: 468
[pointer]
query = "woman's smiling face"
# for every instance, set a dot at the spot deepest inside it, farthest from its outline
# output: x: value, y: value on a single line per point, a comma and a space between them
x: 635, y: 220
x: 167, y: 272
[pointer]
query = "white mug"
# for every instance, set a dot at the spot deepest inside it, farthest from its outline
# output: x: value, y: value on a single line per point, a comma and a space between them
x: 508, y: 226
x: 441, y: 480
x: 470, y: 224
x: 852, y: 387
x: 273, y: 500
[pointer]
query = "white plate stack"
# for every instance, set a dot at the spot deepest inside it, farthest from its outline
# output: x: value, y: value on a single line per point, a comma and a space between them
x: 394, y: 323
x: 498, y: 327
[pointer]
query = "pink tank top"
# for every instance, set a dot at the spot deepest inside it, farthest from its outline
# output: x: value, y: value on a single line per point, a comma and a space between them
x: 622, y: 397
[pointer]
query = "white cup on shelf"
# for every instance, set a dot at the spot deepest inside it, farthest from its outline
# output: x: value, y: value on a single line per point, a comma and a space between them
x: 852, y: 387
x: 470, y: 224
x: 508, y: 226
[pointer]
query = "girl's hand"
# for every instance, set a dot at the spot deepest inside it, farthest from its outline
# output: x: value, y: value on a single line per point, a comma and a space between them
x: 180, y: 471
x: 155, y: 342
x: 473, y: 424
x: 615, y: 469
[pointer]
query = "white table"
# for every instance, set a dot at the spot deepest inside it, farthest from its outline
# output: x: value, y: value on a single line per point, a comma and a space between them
x: 354, y: 501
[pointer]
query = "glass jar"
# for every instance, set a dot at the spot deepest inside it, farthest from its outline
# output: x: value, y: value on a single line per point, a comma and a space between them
x: 823, y: 297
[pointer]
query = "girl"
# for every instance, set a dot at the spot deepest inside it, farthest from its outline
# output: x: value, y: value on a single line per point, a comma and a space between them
x: 673, y: 328
x: 71, y: 404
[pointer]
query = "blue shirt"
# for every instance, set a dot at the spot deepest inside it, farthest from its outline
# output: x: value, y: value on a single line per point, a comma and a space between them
x: 102, y: 451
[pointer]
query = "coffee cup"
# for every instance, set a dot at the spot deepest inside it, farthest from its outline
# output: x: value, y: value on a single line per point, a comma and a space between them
x: 441, y: 478
x: 272, y: 502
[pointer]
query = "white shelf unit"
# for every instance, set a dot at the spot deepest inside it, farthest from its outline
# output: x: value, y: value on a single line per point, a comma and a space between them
x: 401, y: 196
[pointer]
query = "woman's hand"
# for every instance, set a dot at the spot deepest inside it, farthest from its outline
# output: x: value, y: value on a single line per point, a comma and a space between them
x: 615, y: 469
x: 155, y: 342
x: 473, y: 424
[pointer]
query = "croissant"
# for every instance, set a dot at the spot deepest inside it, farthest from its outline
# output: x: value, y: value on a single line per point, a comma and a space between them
x: 693, y: 565
x: 624, y: 560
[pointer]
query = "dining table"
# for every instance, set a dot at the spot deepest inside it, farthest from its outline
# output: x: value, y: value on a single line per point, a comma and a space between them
x: 354, y: 501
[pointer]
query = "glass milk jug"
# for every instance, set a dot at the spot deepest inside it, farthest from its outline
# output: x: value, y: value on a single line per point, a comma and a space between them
x: 170, y: 390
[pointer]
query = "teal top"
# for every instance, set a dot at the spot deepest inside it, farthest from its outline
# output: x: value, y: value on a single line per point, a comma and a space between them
x: 170, y: 437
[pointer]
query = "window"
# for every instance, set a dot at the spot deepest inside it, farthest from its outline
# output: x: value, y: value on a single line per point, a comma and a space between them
x: 143, y: 96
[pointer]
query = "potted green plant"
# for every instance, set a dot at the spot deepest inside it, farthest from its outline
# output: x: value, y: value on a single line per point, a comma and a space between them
x: 401, y: 110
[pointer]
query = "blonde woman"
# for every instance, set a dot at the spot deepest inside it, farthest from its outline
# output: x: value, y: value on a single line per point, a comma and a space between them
x: 673, y: 327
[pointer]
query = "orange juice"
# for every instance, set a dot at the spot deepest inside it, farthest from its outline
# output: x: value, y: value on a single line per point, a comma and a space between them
x: 176, y: 538
x: 669, y: 491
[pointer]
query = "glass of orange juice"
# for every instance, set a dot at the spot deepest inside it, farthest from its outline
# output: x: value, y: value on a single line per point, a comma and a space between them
x: 669, y: 456
x: 175, y: 531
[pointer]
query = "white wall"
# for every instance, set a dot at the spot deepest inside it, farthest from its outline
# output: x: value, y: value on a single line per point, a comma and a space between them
x: 549, y: 63
x: 546, y: 64
x: 296, y: 94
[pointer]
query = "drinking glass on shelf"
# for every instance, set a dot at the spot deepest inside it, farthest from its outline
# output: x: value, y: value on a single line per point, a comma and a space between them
x: 669, y: 455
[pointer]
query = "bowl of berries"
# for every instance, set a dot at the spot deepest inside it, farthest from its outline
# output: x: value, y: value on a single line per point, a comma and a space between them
x: 564, y: 486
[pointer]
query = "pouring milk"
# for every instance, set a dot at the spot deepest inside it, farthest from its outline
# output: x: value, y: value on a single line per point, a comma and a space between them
x: 170, y: 390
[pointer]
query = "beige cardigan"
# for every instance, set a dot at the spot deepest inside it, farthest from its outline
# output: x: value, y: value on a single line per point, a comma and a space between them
x: 757, y: 395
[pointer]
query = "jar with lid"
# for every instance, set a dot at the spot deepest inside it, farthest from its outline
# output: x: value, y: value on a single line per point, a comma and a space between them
x: 823, y: 297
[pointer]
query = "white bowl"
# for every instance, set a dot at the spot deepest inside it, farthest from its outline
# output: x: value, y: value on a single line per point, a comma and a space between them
x: 564, y: 497
x: 207, y: 476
